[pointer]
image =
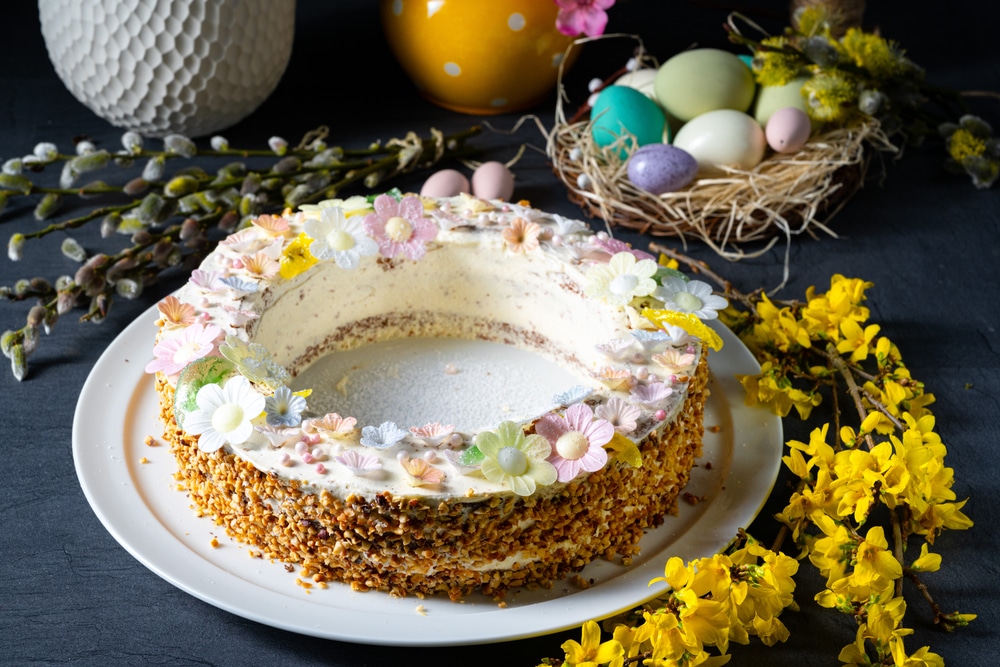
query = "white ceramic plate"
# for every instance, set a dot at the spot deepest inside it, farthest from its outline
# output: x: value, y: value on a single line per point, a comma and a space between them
x: 131, y: 488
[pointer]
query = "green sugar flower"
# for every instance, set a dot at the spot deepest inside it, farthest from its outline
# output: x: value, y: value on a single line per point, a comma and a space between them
x: 515, y: 460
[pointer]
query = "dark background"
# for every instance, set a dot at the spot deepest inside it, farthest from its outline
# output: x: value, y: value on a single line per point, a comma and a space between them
x: 69, y: 594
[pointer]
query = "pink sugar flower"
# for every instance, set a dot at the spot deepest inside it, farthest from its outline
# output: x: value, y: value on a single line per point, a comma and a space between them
x: 577, y: 440
x: 400, y: 227
x: 582, y: 16
x: 173, y: 354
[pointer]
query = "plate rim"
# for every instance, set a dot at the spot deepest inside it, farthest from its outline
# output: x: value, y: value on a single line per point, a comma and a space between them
x: 214, y: 584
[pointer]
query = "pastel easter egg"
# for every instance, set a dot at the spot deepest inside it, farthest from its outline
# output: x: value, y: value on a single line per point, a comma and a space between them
x: 493, y: 180
x: 771, y: 98
x: 642, y: 80
x: 788, y: 130
x: 723, y: 137
x: 194, y: 376
x: 701, y: 80
x: 620, y: 111
x: 445, y: 183
x: 659, y: 168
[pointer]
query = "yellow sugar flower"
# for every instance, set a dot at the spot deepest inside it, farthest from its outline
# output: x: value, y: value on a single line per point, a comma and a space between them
x: 590, y: 652
x: 296, y: 258
x: 687, y: 321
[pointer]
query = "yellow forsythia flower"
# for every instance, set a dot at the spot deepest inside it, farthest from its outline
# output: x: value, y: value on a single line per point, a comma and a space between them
x: 590, y: 652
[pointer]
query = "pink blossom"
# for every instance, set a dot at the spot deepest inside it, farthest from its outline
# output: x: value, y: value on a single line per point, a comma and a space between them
x: 614, y: 246
x: 577, y: 440
x: 400, y: 227
x: 582, y: 16
x: 193, y: 343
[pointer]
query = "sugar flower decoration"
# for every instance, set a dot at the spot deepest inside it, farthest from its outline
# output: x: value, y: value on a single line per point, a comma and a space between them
x: 614, y: 246
x: 651, y: 395
x: 206, y: 280
x: 277, y: 436
x: 337, y: 426
x: 621, y: 414
x: 650, y: 340
x: 568, y: 226
x: 588, y: 17
x: 261, y: 265
x: 693, y: 297
x: 400, y: 227
x: 350, y: 206
x: 616, y: 378
x: 516, y: 460
x: 173, y: 354
x: 339, y: 238
x: 616, y: 349
x: 419, y: 472
x: 432, y: 435
x: 244, y: 241
x: 622, y: 279
x: 522, y: 235
x: 254, y: 362
x: 674, y: 361
x: 357, y: 462
x: 239, y: 285
x: 577, y: 440
x: 296, y: 257
x: 383, y: 436
x: 224, y: 414
x: 174, y: 313
x: 284, y: 408
x: 574, y: 394
x: 272, y: 225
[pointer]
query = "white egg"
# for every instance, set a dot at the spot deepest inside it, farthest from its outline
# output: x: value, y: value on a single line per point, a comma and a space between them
x: 723, y: 137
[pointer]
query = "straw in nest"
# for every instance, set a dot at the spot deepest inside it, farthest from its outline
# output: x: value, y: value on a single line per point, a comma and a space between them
x: 783, y: 196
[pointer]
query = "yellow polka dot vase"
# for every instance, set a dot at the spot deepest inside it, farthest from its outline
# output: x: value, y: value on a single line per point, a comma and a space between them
x: 478, y: 56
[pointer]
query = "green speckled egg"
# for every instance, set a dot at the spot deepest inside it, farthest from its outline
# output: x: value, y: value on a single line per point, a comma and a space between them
x: 207, y: 370
x: 702, y: 80
x: 619, y: 109
x: 771, y: 98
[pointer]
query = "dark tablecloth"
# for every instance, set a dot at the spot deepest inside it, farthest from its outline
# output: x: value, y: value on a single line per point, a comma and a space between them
x: 930, y: 242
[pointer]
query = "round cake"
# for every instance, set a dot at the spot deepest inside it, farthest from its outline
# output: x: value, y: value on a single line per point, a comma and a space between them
x: 341, y: 474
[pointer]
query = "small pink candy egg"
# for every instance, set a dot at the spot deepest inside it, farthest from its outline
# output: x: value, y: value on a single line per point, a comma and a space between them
x: 788, y: 130
x: 445, y: 183
x: 493, y: 180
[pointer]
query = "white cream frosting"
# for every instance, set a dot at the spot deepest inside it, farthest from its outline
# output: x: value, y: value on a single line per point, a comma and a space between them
x: 469, y: 284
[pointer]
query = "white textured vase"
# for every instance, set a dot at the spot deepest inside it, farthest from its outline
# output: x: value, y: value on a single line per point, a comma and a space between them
x: 161, y: 66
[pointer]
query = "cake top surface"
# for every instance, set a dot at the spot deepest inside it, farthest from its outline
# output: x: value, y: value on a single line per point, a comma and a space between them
x: 621, y: 333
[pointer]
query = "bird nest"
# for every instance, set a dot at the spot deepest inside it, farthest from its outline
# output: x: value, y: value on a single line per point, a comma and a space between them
x: 783, y: 196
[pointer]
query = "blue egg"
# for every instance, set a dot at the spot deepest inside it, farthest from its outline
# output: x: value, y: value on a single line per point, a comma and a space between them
x: 659, y: 168
x: 620, y: 111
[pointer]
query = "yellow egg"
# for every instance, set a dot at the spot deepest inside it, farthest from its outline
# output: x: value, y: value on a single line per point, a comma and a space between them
x: 477, y: 57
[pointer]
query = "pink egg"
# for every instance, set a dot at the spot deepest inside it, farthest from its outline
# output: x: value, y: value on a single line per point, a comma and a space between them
x: 493, y: 180
x: 788, y: 130
x: 445, y: 183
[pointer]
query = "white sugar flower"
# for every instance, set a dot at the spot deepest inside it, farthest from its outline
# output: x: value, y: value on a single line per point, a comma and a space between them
x: 339, y: 238
x: 693, y: 297
x: 622, y: 279
x: 224, y: 414
x: 383, y: 436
